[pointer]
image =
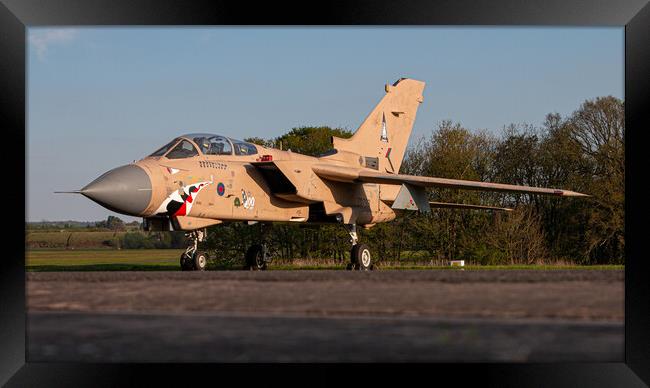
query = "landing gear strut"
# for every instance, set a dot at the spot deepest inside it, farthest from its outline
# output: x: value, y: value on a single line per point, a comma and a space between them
x: 193, y: 259
x: 258, y: 255
x: 360, y: 258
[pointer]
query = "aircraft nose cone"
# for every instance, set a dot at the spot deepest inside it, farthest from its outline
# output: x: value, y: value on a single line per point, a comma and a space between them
x: 125, y: 189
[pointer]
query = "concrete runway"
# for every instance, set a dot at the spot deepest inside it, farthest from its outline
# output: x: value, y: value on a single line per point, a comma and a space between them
x: 311, y: 316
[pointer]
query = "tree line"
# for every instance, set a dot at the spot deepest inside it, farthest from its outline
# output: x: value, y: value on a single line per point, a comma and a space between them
x: 582, y: 152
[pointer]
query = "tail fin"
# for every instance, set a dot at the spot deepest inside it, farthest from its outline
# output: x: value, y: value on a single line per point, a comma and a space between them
x: 382, y: 138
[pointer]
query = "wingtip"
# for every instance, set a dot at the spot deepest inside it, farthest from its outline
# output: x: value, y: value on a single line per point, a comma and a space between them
x: 574, y: 194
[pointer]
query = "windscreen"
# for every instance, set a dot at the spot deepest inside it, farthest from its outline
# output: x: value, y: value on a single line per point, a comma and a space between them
x: 162, y: 150
x: 184, y: 149
x: 242, y: 148
x: 213, y: 144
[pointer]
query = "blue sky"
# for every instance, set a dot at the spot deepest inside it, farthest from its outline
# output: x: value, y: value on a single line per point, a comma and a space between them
x: 99, y: 98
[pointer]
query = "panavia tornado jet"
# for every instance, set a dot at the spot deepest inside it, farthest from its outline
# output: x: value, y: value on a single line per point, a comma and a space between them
x: 198, y: 180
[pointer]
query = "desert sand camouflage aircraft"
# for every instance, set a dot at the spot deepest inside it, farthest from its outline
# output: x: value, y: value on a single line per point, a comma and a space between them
x: 199, y: 180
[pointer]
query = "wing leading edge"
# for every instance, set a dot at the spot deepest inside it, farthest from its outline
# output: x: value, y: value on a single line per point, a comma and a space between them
x: 352, y: 175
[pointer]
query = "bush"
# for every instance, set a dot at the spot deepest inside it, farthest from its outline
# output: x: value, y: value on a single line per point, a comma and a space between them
x: 134, y: 240
x: 157, y: 240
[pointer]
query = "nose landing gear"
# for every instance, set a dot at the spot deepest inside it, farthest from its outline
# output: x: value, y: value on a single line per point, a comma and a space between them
x: 193, y: 259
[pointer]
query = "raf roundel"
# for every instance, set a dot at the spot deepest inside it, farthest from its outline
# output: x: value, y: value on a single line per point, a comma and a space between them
x: 221, y: 189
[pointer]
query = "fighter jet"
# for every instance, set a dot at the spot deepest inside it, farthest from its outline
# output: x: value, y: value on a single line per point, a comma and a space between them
x: 200, y: 179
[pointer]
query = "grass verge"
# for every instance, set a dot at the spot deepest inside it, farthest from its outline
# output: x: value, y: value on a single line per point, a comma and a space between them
x: 168, y: 260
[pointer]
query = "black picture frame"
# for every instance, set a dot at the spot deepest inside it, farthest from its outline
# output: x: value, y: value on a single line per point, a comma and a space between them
x: 16, y: 15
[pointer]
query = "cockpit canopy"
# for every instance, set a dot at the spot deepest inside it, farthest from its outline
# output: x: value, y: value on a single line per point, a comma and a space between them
x: 194, y: 144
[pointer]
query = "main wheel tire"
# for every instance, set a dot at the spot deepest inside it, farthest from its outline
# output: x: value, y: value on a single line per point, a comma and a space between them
x: 187, y: 263
x: 254, y: 258
x: 361, y: 258
x: 200, y: 261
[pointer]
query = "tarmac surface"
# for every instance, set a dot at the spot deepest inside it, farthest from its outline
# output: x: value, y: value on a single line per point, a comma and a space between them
x: 311, y: 316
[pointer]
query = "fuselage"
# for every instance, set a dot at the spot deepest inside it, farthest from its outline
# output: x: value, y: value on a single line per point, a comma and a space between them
x: 194, y: 185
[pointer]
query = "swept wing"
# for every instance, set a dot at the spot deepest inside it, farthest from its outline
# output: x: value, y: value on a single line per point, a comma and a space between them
x: 352, y: 175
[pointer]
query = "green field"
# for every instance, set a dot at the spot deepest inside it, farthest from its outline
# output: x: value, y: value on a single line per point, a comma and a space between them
x: 168, y: 260
x: 103, y: 260
x: 77, y: 239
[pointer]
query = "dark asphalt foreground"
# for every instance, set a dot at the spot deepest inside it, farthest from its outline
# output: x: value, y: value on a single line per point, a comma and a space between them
x: 303, y: 316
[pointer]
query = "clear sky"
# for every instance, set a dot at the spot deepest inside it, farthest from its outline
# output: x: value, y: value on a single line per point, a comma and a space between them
x: 99, y: 98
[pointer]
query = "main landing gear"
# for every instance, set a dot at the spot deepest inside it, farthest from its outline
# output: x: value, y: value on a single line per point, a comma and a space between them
x: 360, y: 258
x: 193, y: 259
x: 258, y: 255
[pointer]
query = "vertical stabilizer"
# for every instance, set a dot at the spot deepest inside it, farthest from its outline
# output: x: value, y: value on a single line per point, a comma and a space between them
x: 382, y: 137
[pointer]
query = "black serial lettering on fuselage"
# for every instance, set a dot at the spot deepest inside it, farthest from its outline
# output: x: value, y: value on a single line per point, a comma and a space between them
x: 211, y: 164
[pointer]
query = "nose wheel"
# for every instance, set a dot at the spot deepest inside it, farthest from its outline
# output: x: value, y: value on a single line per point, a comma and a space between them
x: 197, y: 262
x: 193, y: 259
